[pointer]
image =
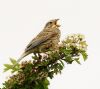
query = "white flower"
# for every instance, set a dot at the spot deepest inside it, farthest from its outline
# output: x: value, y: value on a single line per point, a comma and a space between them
x: 75, y: 40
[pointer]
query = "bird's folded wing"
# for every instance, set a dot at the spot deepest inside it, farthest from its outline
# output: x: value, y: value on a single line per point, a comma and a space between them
x: 38, y: 41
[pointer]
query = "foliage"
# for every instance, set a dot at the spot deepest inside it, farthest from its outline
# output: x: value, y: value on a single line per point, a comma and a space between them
x: 34, y: 74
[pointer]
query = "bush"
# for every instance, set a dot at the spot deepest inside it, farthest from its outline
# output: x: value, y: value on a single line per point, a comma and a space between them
x: 34, y: 74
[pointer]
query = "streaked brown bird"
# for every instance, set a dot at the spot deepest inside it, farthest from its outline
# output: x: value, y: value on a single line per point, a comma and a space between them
x: 47, y: 39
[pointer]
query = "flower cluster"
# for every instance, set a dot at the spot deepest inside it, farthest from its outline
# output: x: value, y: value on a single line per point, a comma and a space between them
x: 76, y: 41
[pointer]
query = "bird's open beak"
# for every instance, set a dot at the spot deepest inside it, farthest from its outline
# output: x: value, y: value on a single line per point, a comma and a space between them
x: 56, y: 23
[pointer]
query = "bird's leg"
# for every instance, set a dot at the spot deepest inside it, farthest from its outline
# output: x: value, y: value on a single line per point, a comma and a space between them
x: 39, y: 55
x: 35, y: 54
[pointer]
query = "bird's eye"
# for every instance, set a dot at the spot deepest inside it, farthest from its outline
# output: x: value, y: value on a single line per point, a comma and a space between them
x: 50, y: 22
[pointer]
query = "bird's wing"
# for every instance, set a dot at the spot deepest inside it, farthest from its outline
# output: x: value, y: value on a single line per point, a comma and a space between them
x: 39, y: 40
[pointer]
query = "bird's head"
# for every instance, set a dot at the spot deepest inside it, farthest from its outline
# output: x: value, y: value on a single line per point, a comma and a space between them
x: 52, y: 23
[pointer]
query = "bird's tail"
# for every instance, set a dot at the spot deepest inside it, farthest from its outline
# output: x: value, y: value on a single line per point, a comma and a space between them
x: 20, y: 58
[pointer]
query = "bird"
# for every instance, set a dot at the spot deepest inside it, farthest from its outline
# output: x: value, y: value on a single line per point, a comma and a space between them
x: 46, y: 40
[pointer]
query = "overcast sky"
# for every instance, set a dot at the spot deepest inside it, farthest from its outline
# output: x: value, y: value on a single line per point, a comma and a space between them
x: 21, y: 20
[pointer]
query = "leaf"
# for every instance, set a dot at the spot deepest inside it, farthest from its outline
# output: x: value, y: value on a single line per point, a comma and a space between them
x: 46, y: 82
x: 6, y: 69
x: 84, y: 54
x: 51, y: 74
x: 68, y: 59
x: 77, y: 60
x: 60, y: 67
x: 8, y: 66
x: 61, y: 62
x: 13, y: 61
x: 66, y: 51
x: 14, y: 70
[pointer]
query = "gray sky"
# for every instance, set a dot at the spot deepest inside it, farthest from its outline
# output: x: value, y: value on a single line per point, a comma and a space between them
x: 21, y: 20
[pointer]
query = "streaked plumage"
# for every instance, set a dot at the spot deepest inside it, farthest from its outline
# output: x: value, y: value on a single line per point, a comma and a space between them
x: 47, y: 39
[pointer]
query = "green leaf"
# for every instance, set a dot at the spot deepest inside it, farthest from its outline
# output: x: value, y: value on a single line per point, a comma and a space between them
x: 77, y: 60
x: 84, y: 54
x: 60, y: 66
x: 8, y: 66
x: 46, y: 82
x: 61, y: 62
x: 51, y: 74
x: 13, y: 61
x: 14, y: 70
x: 68, y: 59
x: 68, y: 51
x: 6, y: 69
x: 65, y: 50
